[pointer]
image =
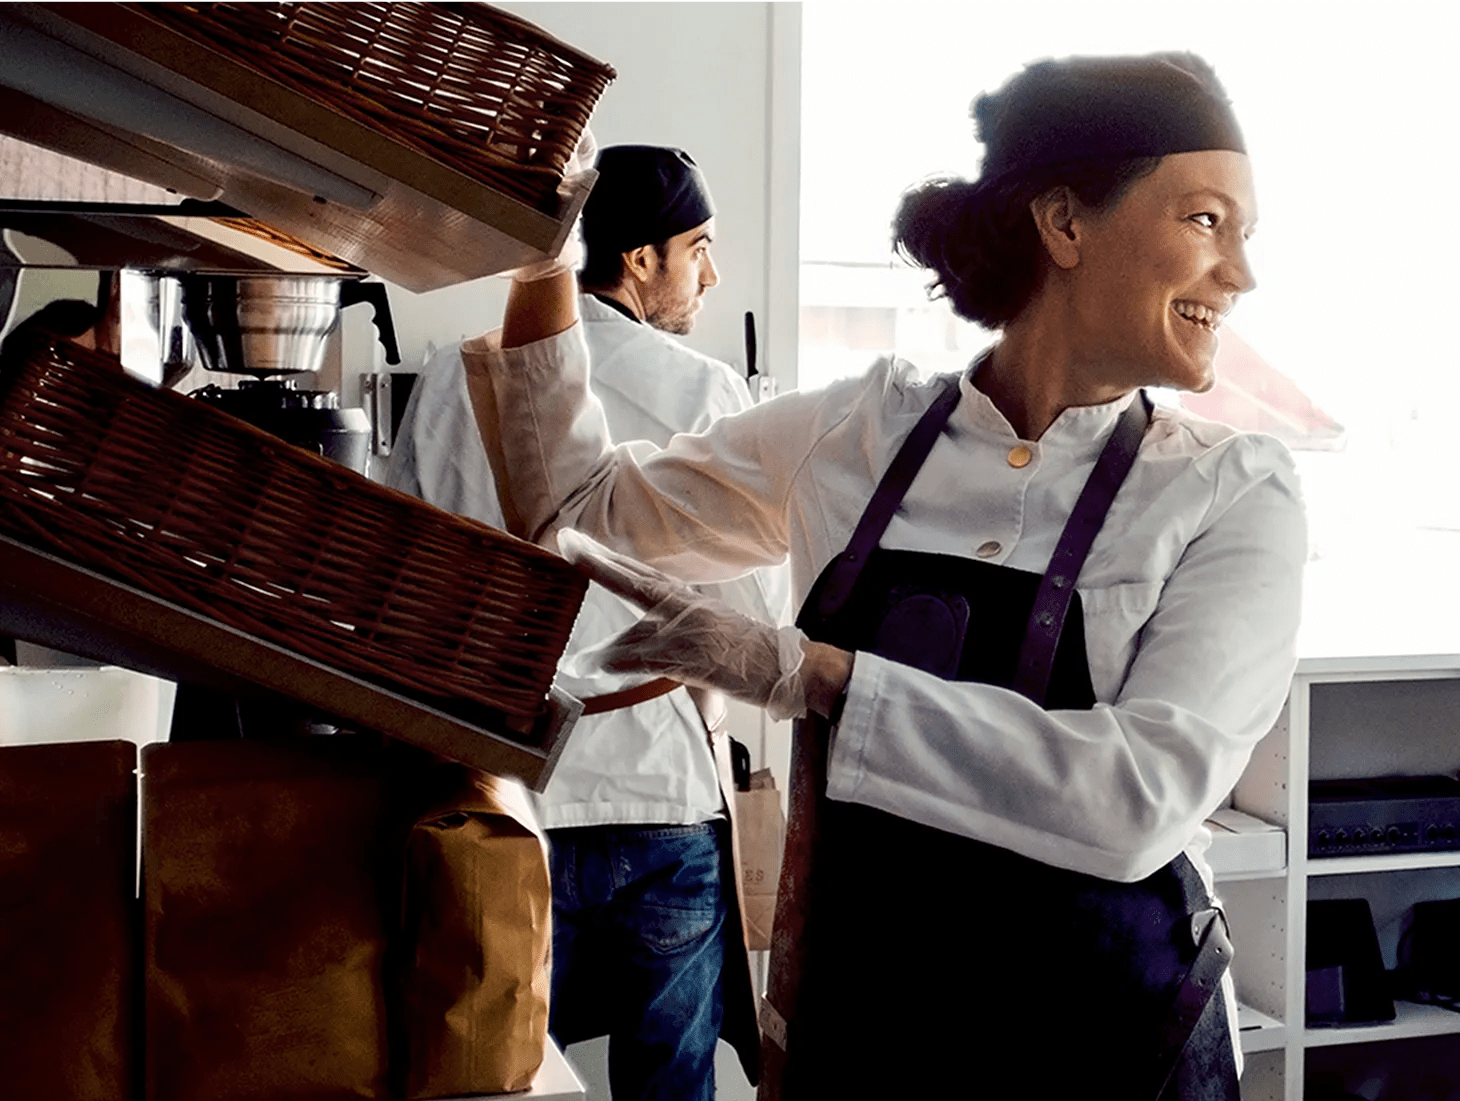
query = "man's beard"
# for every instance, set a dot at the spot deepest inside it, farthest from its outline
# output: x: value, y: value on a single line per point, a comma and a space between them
x: 678, y: 321
x: 670, y: 315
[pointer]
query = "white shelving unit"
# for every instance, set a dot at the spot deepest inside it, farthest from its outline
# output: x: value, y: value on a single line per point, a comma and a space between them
x: 1345, y: 718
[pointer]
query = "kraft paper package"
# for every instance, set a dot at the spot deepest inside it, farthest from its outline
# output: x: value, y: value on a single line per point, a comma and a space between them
x: 760, y: 827
x: 68, y: 967
x: 336, y: 917
x: 268, y: 886
x: 477, y: 935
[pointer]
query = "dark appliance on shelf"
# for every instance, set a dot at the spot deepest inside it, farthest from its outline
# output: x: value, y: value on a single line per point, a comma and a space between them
x: 1429, y: 954
x: 1393, y: 814
x: 1346, y: 982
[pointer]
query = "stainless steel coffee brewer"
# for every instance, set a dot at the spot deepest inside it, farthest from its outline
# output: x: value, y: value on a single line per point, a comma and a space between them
x: 240, y: 334
x: 274, y: 330
x: 214, y: 305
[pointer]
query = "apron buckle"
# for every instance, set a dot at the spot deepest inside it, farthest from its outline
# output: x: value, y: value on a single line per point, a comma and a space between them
x: 1201, y: 925
x: 772, y: 1023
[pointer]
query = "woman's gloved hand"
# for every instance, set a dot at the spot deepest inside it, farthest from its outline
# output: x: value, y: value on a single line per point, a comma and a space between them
x: 570, y: 257
x: 693, y: 638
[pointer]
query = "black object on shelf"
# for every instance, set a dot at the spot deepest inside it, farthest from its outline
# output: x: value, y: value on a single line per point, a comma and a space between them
x: 1346, y: 983
x: 1388, y: 814
x: 1429, y: 954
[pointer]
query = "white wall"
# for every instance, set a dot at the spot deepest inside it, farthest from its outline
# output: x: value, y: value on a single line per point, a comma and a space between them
x: 710, y: 78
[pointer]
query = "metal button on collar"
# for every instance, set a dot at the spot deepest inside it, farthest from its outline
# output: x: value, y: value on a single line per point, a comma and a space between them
x: 989, y: 549
x: 1020, y: 457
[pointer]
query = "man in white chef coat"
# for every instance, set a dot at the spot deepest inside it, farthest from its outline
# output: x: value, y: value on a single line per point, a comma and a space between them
x: 647, y: 942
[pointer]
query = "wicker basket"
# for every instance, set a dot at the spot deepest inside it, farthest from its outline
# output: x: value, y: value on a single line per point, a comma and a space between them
x: 475, y: 88
x: 189, y: 504
x: 252, y: 227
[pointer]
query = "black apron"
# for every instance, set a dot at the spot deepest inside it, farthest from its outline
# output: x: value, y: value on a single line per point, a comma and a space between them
x: 907, y: 959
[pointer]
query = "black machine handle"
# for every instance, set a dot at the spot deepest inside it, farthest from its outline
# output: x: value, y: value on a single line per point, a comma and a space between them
x: 359, y: 291
x: 740, y: 765
x: 204, y: 299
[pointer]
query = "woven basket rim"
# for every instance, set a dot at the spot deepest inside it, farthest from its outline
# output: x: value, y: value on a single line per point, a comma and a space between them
x: 447, y: 137
x: 196, y: 507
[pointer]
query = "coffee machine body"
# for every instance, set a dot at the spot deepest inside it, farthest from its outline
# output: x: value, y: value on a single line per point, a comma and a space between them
x: 254, y: 347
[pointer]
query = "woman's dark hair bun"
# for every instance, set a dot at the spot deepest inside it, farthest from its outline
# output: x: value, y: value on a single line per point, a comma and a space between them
x: 925, y: 215
x: 978, y: 241
x: 978, y: 237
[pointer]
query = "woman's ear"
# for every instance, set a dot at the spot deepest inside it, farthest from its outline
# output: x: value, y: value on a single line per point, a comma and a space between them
x: 1054, y: 215
x: 641, y: 263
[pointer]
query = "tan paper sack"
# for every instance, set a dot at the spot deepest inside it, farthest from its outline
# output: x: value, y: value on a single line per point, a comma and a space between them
x: 267, y: 874
x: 477, y: 936
x: 68, y: 867
x: 760, y: 827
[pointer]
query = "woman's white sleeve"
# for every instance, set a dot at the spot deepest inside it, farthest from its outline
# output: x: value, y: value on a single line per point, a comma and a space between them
x: 706, y: 508
x: 1119, y: 790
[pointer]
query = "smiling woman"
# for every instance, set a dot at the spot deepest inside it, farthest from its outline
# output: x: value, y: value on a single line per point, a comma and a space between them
x: 1161, y: 268
x: 1108, y: 267
x: 1042, y: 626
x: 1346, y: 350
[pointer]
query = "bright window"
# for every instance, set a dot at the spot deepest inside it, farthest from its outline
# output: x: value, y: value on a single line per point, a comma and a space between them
x: 1348, y: 112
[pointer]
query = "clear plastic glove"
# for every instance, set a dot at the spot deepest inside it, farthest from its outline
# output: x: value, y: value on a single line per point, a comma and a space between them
x: 693, y: 638
x: 571, y: 256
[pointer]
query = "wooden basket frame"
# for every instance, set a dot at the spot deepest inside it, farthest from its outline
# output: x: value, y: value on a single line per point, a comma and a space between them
x: 192, y: 505
x: 473, y: 87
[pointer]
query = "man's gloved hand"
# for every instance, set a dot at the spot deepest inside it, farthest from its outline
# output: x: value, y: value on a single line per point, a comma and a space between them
x: 693, y: 638
x: 571, y: 256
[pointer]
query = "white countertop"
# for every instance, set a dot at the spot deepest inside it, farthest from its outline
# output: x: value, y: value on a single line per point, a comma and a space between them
x: 556, y: 1080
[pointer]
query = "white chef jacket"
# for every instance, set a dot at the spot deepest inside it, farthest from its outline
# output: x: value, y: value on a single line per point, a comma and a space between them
x: 650, y: 763
x: 1190, y: 592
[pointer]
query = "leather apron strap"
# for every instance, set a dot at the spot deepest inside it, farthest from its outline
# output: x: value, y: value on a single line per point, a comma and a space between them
x: 1047, y: 620
x: 628, y: 697
x: 846, y: 567
x: 1199, y: 985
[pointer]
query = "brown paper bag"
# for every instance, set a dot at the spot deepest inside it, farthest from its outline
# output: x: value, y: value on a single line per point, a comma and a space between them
x: 761, y: 828
x: 477, y: 939
x: 68, y: 867
x: 267, y: 866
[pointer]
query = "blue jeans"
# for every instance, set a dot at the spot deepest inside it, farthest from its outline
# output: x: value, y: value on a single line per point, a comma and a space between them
x: 638, y: 943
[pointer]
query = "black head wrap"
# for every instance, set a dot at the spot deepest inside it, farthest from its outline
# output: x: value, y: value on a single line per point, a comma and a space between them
x: 1083, y: 107
x: 644, y: 194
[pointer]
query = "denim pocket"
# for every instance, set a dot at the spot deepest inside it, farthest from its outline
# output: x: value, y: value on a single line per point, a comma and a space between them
x: 667, y: 930
x: 679, y: 894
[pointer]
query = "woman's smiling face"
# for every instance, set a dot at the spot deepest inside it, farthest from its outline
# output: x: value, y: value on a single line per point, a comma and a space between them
x: 1159, y: 270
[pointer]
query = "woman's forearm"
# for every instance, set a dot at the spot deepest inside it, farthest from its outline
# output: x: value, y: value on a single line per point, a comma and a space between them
x: 825, y: 673
x: 539, y: 309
